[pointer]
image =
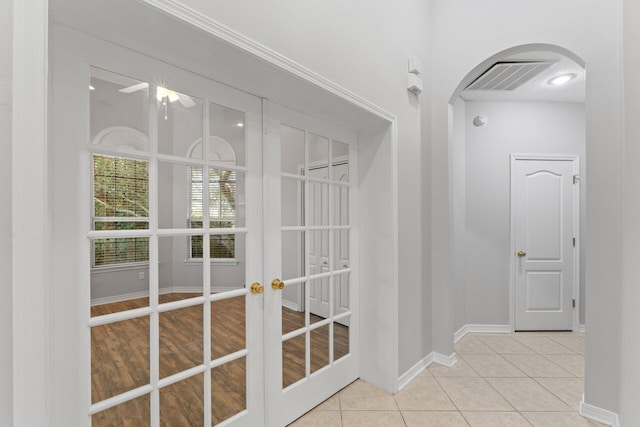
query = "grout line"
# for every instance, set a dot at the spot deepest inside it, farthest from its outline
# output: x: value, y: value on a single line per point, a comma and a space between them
x: 447, y: 394
x: 403, y: 420
x: 500, y: 394
x: 546, y: 356
x: 466, y: 420
x: 553, y: 393
x: 513, y: 409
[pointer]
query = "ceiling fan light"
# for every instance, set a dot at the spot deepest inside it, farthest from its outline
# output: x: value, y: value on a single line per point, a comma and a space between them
x: 160, y: 93
x: 562, y: 79
x: 163, y: 92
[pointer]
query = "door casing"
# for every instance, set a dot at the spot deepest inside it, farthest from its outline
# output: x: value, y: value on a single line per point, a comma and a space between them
x: 576, y: 232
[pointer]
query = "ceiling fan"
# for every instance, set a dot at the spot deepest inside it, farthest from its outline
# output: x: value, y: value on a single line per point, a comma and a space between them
x: 162, y: 93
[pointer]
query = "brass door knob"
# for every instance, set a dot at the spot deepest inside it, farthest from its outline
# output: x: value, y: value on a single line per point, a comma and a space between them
x: 521, y: 254
x: 277, y: 284
x: 256, y: 288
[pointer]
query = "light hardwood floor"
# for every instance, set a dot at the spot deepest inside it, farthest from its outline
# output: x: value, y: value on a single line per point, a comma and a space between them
x: 120, y: 360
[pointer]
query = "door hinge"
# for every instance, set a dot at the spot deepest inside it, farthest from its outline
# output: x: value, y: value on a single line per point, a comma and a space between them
x: 574, y: 242
x: 574, y: 303
x: 576, y: 179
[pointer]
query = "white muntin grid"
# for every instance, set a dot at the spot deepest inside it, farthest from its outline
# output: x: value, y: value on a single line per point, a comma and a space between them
x: 155, y: 308
x: 306, y: 229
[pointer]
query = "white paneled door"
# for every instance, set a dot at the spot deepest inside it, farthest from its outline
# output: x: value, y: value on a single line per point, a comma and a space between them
x: 207, y: 220
x: 544, y: 216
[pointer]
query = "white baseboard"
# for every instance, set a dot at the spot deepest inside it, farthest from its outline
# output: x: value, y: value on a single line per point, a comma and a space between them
x: 415, y: 370
x: 161, y: 291
x: 483, y: 329
x: 581, y: 328
x: 196, y: 289
x: 290, y: 305
x: 423, y: 364
x: 119, y: 298
x: 598, y: 414
x: 447, y: 361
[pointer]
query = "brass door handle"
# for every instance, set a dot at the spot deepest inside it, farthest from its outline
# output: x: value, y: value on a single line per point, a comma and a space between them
x: 256, y: 288
x: 521, y: 254
x: 277, y: 284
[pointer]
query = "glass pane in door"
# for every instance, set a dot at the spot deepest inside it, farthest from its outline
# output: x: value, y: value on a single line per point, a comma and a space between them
x: 181, y: 337
x: 179, y: 123
x: 119, y: 357
x: 119, y: 111
x: 228, y: 334
x: 228, y: 390
x: 292, y: 210
x: 293, y: 313
x: 342, y: 311
x: 318, y: 151
x: 340, y: 163
x: 319, y: 348
x: 227, y: 137
x: 293, y: 247
x: 292, y: 150
x: 135, y: 412
x: 182, y: 404
x: 294, y: 360
x: 179, y: 276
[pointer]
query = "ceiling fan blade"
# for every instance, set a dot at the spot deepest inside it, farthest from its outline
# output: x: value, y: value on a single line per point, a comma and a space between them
x: 134, y: 88
x: 185, y: 100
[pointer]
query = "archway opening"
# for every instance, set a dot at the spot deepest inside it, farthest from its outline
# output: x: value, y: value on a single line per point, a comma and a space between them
x: 509, y: 106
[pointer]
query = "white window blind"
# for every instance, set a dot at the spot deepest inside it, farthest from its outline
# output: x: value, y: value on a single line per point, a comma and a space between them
x: 121, y: 202
x: 222, y: 211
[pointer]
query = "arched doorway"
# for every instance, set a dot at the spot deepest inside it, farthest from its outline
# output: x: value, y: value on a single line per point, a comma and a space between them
x: 504, y: 111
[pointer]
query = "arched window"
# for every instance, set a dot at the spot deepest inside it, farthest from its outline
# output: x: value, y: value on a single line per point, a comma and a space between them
x: 222, y: 198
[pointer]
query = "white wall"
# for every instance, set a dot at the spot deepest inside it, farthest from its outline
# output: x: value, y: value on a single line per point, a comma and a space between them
x: 6, y: 349
x: 459, y: 210
x: 463, y: 35
x: 513, y: 128
x: 630, y: 413
x: 363, y: 46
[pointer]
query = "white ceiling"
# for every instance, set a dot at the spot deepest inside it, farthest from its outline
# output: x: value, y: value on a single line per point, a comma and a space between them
x: 538, y: 88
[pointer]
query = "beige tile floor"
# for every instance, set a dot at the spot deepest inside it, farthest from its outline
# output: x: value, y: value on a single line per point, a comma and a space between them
x: 501, y: 380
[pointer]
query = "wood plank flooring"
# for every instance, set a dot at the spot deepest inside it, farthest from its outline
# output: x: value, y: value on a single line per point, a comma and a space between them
x: 120, y: 360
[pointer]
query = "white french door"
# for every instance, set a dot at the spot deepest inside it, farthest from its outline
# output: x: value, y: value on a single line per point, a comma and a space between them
x: 309, y: 240
x: 176, y: 245
x: 545, y: 227
x: 167, y: 310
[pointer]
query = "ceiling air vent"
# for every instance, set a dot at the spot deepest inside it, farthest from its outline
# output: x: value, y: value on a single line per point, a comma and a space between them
x: 508, y: 75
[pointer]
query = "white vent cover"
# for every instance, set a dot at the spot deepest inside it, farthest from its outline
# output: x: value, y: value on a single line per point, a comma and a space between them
x: 508, y: 75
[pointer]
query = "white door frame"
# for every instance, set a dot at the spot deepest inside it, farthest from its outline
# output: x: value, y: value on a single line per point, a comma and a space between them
x: 30, y: 222
x: 576, y: 232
